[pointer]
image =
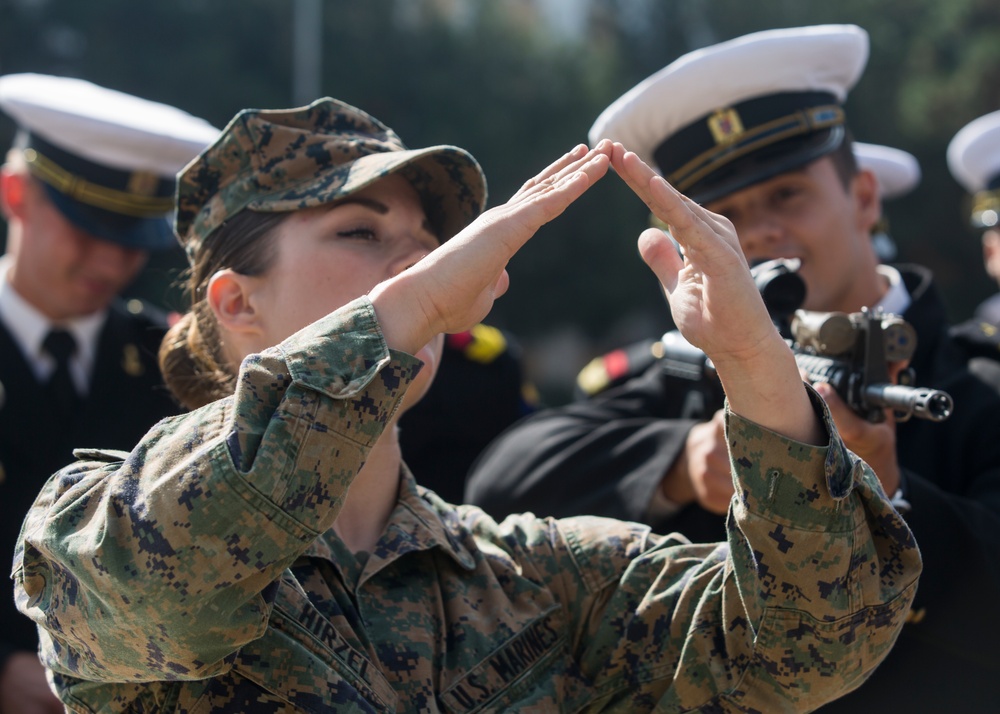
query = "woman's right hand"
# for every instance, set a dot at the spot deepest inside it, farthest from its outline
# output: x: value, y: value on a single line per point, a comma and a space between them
x: 717, y: 307
x: 454, y: 287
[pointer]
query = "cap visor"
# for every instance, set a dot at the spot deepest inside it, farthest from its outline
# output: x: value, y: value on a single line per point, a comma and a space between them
x: 449, y: 181
x: 765, y: 163
x: 127, y: 231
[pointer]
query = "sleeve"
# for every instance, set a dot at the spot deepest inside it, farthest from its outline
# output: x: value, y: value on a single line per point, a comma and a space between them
x: 798, y: 608
x: 615, y: 449
x: 179, y: 544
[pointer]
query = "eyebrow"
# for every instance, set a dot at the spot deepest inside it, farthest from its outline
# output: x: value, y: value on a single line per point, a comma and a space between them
x: 382, y: 209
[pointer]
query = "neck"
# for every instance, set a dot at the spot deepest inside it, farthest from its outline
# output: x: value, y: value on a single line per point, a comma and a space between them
x: 372, y: 497
x: 869, y: 287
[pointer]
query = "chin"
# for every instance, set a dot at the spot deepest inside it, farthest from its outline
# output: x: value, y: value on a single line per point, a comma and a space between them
x: 430, y: 355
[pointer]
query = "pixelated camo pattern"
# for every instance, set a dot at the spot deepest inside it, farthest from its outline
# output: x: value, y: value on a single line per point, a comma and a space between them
x: 200, y: 572
x: 284, y: 160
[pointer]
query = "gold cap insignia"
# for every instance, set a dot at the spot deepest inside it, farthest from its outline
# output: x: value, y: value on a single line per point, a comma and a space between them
x: 142, y: 183
x: 131, y: 362
x: 725, y: 126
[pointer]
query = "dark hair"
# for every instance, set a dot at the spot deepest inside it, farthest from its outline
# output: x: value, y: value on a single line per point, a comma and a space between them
x: 192, y: 361
x: 844, y: 161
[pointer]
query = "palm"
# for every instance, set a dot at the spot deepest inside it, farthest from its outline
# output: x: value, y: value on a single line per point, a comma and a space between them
x: 712, y: 296
x: 455, y: 286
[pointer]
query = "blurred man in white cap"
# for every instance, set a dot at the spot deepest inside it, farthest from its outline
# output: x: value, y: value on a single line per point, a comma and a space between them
x: 897, y: 173
x: 974, y: 160
x: 85, y: 191
x: 755, y: 129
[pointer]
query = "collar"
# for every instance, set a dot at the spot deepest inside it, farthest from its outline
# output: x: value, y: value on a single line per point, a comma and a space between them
x: 29, y: 327
x: 421, y: 521
x: 897, y: 298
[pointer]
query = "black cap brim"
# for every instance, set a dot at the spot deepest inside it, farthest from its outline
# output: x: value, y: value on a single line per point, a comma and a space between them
x: 766, y: 163
x: 137, y: 233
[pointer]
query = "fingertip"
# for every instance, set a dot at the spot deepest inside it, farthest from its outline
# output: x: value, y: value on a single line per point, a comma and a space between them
x: 649, y: 241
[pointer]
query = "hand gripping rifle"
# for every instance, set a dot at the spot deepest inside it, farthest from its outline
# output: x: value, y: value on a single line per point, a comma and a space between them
x: 850, y: 351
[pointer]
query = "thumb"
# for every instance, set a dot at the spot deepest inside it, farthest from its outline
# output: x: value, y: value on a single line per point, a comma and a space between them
x: 660, y: 254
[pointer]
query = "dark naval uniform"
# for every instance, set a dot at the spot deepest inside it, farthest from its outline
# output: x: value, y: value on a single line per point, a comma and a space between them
x: 201, y: 573
x: 126, y: 397
x: 989, y: 310
x: 561, y: 462
x: 479, y: 390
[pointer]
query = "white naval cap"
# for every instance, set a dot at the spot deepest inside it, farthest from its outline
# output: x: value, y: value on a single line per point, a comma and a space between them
x: 897, y: 171
x: 974, y: 161
x: 723, y: 117
x: 108, y: 160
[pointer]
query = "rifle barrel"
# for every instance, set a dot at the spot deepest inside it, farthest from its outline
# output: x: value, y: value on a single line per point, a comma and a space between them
x: 932, y: 404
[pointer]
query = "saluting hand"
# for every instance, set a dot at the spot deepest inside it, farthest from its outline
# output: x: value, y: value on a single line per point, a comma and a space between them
x: 717, y: 307
x: 454, y: 287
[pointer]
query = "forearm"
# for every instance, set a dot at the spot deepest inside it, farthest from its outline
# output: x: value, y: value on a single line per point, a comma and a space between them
x: 764, y: 386
x: 802, y: 605
x: 826, y: 570
x: 179, y: 543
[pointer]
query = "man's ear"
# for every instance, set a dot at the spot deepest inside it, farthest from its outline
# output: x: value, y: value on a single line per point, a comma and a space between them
x: 865, y: 187
x: 229, y: 295
x: 12, y: 194
x: 991, y: 252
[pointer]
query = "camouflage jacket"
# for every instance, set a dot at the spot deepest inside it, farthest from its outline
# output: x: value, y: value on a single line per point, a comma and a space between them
x: 200, y: 572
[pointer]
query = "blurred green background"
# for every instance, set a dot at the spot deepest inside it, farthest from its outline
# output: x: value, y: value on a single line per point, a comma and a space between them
x: 517, y: 82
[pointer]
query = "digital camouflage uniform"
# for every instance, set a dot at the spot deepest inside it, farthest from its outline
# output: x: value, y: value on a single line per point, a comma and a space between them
x: 200, y: 572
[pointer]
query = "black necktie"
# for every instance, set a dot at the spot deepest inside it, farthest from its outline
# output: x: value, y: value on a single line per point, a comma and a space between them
x: 61, y: 389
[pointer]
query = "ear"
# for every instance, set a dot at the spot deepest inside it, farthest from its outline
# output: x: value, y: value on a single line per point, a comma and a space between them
x: 230, y: 297
x: 13, y: 187
x: 864, y: 186
x: 991, y: 252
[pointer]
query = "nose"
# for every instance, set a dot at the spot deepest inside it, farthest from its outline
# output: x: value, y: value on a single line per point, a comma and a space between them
x: 411, y: 252
x: 111, y: 258
x: 758, y: 233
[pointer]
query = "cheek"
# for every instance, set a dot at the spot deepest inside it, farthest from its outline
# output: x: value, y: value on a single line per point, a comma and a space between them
x: 135, y: 264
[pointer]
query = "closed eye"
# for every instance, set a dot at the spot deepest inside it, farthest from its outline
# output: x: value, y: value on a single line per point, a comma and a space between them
x: 360, y: 233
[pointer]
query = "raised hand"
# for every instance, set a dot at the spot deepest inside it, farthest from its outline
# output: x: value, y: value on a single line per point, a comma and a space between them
x: 708, y: 286
x: 454, y: 287
x: 717, y: 307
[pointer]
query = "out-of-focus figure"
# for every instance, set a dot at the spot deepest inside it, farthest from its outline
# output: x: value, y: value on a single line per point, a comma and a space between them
x: 897, y: 173
x: 755, y: 129
x: 85, y: 191
x: 974, y: 160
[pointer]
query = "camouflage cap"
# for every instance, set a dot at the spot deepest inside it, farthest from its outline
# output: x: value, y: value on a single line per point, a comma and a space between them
x: 285, y: 160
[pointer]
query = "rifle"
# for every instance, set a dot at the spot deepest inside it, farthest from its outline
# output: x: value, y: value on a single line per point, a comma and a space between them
x: 850, y: 351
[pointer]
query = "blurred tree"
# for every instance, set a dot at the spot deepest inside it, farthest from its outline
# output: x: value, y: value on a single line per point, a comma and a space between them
x: 503, y: 82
